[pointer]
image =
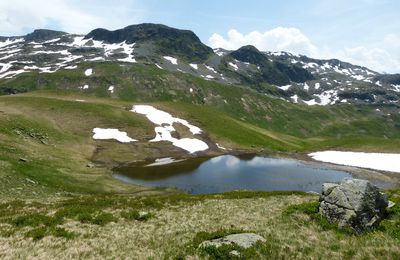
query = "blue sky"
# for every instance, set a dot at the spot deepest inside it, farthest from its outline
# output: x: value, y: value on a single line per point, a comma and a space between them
x: 365, y: 32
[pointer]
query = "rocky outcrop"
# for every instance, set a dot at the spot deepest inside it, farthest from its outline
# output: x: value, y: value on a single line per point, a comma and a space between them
x: 354, y: 203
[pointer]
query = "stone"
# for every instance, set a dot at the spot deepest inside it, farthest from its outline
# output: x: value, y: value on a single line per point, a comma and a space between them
x: 244, y: 240
x: 353, y: 203
x: 21, y: 159
x: 90, y: 165
x: 391, y: 204
x: 235, y: 253
x: 31, y: 181
x: 143, y: 214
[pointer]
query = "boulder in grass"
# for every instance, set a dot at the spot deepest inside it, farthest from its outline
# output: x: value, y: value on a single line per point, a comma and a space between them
x: 245, y: 240
x: 353, y: 203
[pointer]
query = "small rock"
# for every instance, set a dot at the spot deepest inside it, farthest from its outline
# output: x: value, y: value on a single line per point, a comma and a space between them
x: 21, y: 159
x: 354, y: 203
x: 244, y: 240
x: 90, y: 165
x: 234, y: 253
x: 143, y: 214
x: 391, y: 204
x: 31, y: 181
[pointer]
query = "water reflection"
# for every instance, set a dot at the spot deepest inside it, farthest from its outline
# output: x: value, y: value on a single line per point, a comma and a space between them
x: 227, y: 172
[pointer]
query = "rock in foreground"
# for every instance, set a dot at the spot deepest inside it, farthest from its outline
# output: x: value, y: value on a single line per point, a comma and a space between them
x: 244, y: 240
x: 354, y: 203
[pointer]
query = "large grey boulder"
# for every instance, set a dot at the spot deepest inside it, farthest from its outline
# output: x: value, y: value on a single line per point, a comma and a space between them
x: 353, y: 203
x: 244, y: 240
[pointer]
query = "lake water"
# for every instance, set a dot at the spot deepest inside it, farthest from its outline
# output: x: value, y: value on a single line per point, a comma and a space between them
x: 228, y: 172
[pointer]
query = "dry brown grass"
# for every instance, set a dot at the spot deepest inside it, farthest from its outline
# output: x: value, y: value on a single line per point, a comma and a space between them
x: 173, y: 228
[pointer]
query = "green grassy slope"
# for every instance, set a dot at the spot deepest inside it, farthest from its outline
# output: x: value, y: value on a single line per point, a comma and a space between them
x: 146, y: 83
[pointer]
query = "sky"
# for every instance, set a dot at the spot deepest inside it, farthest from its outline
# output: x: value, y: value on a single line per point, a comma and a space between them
x: 363, y: 32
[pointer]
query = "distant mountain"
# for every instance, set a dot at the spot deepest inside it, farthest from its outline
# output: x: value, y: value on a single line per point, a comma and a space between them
x: 41, y: 35
x: 273, y: 72
x: 167, y: 41
x: 284, y: 75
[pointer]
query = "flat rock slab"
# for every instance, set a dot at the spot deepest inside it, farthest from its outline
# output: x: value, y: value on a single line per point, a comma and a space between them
x: 244, y: 240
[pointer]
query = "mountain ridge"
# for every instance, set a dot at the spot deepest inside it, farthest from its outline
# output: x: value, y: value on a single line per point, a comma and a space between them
x: 295, y: 78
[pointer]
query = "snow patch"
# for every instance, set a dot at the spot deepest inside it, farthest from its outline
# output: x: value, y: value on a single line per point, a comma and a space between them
x: 111, y: 89
x: 358, y: 77
x: 234, y: 66
x: 165, y: 127
x: 71, y: 67
x: 171, y: 59
x: 111, y: 133
x: 311, y: 102
x: 377, y: 161
x: 194, y: 66
x: 295, y: 98
x: 211, y: 69
x: 10, y: 42
x: 51, y: 41
x: 310, y: 65
x: 396, y: 88
x: 284, y: 88
x: 88, y: 72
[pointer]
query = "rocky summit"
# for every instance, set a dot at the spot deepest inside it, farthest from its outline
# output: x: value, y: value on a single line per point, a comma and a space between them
x: 353, y: 203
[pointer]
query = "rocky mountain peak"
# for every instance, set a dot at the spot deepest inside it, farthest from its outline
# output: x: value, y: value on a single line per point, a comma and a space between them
x: 41, y: 35
x: 166, y: 40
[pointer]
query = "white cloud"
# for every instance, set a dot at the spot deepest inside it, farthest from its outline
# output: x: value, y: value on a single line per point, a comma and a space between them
x: 278, y: 39
x: 21, y: 16
x: 382, y: 56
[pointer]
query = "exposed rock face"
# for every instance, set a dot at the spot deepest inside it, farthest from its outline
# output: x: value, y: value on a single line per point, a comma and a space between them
x: 354, y: 203
x: 244, y: 240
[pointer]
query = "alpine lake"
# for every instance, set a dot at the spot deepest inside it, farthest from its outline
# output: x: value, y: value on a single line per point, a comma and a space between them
x: 204, y: 175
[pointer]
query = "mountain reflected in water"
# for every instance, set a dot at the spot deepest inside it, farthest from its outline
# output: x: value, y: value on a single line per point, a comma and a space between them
x: 228, y: 172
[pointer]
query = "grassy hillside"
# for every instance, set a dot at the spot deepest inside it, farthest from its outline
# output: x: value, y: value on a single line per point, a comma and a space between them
x: 146, y: 83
